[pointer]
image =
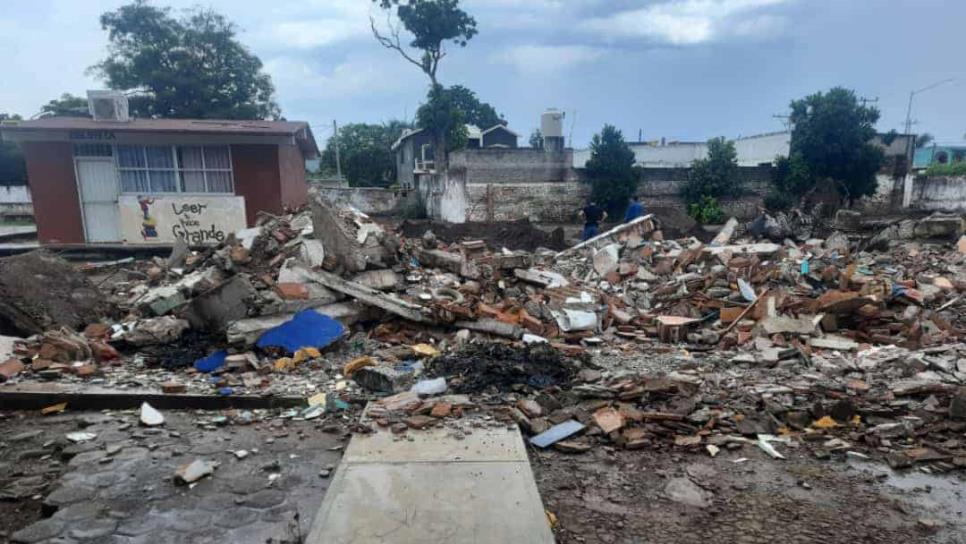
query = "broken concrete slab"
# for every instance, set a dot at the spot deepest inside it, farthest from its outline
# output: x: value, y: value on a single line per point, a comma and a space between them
x: 478, y: 490
x: 217, y: 308
x: 367, y: 295
x: 804, y: 325
x: 312, y: 253
x: 607, y: 259
x: 350, y: 237
x: 381, y: 280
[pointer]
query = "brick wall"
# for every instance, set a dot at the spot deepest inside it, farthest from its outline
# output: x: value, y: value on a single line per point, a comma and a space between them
x: 521, y: 165
x: 558, y: 202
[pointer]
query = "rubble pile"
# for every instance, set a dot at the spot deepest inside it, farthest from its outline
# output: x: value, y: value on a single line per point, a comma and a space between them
x: 821, y: 344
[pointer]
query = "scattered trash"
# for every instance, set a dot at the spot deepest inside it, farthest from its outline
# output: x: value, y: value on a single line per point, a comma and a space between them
x: 80, y: 437
x: 557, y: 433
x: 192, y: 472
x: 150, y: 417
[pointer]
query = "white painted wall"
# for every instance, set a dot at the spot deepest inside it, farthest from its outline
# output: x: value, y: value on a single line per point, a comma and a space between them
x: 14, y: 194
x: 198, y: 219
x: 752, y: 151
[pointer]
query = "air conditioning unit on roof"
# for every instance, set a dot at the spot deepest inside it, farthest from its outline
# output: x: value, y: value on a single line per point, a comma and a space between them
x: 107, y: 106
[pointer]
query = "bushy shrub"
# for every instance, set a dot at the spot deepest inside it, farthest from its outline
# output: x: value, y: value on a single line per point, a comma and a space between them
x: 706, y: 211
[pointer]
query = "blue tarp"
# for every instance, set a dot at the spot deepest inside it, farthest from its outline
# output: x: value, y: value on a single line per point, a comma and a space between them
x: 212, y: 362
x: 307, y: 329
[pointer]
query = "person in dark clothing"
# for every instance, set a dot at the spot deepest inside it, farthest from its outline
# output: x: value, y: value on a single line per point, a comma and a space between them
x: 593, y: 215
x: 634, y: 210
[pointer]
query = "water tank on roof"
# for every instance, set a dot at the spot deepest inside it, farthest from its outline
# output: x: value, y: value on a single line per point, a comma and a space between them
x: 551, y: 123
x: 107, y: 105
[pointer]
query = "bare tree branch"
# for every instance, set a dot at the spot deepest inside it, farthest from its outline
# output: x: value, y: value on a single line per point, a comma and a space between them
x: 395, y: 43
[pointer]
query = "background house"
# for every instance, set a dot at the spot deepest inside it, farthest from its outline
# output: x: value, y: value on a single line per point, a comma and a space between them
x: 110, y: 179
x: 415, y: 155
x: 947, y: 153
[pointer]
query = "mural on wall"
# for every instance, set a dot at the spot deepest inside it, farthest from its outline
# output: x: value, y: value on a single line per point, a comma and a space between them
x: 200, y: 220
x: 148, y: 224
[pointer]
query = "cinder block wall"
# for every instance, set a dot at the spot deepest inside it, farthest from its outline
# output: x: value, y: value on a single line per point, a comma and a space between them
x: 512, y: 165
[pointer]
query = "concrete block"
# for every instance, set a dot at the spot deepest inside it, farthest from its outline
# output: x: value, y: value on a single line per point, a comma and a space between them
x: 383, y: 280
x: 219, y: 307
x: 607, y: 259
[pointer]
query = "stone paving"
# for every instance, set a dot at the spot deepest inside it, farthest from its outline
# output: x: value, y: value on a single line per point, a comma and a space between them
x: 119, y: 487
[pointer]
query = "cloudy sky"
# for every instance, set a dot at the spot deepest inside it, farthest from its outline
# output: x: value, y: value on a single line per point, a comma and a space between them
x: 682, y: 69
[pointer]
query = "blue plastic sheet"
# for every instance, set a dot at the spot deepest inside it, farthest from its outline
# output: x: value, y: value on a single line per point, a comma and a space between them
x: 212, y: 362
x: 307, y: 329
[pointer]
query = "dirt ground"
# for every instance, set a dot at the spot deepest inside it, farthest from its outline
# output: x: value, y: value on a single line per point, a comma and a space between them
x: 635, y: 497
x: 521, y: 235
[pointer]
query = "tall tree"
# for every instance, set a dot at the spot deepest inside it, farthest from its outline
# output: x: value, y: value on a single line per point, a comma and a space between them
x: 474, y: 111
x: 67, y: 105
x: 833, y: 134
x: 431, y: 23
x: 13, y: 170
x: 365, y: 153
x: 611, y: 169
x: 188, y: 67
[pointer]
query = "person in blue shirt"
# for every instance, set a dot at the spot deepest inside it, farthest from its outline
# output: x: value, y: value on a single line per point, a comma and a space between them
x: 634, y: 210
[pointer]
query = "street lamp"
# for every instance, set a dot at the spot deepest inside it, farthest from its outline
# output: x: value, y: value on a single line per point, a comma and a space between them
x: 912, y: 95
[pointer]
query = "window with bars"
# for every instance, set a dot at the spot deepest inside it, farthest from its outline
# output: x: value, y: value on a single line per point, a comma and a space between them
x: 174, y: 169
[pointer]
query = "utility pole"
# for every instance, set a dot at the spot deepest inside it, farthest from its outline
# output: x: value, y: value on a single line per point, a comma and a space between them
x: 338, y: 163
x: 908, y: 131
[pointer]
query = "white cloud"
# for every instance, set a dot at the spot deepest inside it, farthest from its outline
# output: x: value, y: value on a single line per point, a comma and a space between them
x: 689, y: 22
x: 547, y: 59
x: 316, y: 33
x: 297, y: 78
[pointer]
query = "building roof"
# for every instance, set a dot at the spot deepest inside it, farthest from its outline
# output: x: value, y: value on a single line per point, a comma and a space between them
x: 299, y: 130
x: 473, y: 132
x: 498, y: 126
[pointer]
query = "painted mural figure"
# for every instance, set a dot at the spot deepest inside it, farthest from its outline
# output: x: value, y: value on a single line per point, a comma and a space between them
x: 149, y: 226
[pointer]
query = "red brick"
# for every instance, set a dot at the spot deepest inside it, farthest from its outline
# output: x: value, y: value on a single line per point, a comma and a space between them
x: 292, y: 290
x: 104, y: 352
x: 10, y: 368
x: 173, y: 388
x: 442, y: 409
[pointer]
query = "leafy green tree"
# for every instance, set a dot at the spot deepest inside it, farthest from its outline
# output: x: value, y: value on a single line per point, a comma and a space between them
x: 13, y: 170
x: 833, y: 133
x: 67, y: 105
x: 365, y: 153
x: 536, y: 139
x: 791, y: 181
x: 716, y: 176
x: 610, y: 170
x: 474, y: 111
x: 188, y: 67
x: 439, y: 115
x: 431, y: 24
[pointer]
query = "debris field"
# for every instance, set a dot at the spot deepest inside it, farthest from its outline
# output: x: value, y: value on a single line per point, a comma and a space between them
x: 767, y: 343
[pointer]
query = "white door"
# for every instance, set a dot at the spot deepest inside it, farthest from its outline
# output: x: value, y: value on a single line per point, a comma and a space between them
x: 98, y: 193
